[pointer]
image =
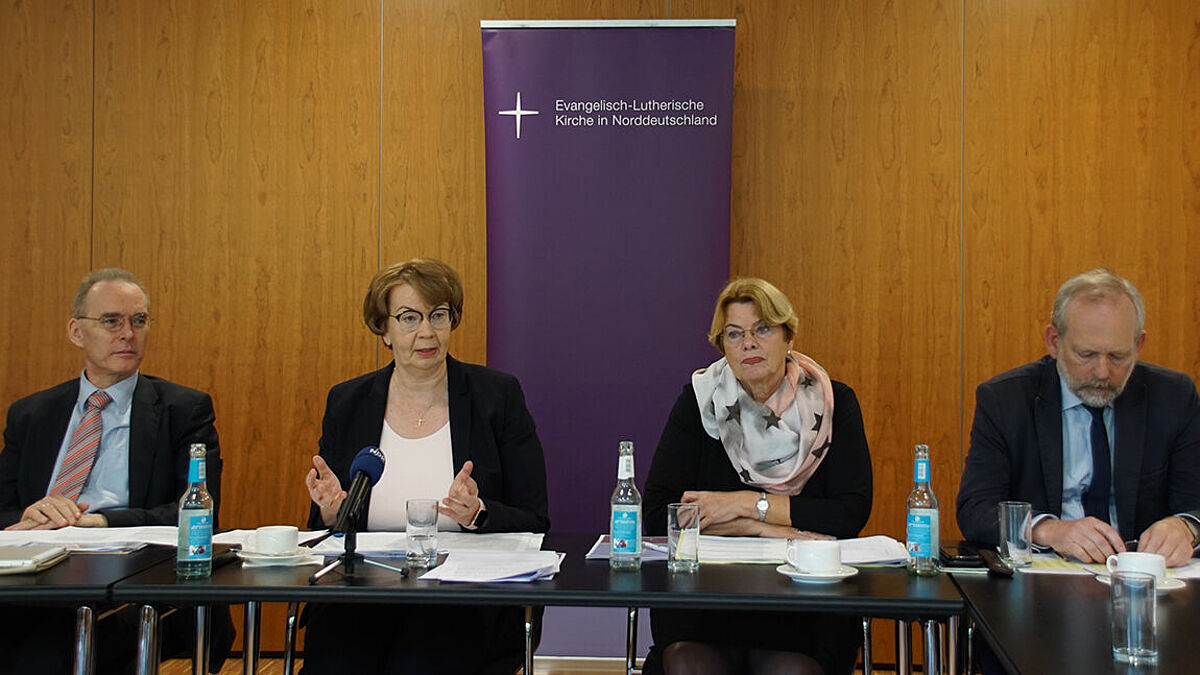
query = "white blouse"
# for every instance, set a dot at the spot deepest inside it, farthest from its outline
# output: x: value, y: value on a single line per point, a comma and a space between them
x: 414, y: 468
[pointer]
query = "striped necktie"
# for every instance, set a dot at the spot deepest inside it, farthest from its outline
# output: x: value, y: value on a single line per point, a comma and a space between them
x: 81, y: 453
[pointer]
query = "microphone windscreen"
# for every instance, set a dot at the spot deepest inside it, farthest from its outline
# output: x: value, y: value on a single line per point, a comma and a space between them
x: 369, y: 460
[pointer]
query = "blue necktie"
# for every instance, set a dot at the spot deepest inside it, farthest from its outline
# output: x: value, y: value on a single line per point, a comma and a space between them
x: 1095, y: 500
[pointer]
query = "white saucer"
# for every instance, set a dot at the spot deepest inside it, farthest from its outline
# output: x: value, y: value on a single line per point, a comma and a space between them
x: 277, y: 558
x: 1171, y: 584
x: 831, y: 578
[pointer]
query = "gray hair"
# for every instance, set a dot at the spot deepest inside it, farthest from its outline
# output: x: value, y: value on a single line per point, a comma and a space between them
x: 107, y: 274
x: 1096, y: 283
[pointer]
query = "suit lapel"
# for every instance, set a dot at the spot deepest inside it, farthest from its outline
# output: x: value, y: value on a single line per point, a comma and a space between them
x: 56, y: 431
x: 460, y: 413
x: 1047, y: 417
x: 143, y: 423
x: 1129, y: 420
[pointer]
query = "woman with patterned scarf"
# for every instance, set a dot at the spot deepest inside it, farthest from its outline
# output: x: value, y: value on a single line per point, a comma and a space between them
x: 768, y: 446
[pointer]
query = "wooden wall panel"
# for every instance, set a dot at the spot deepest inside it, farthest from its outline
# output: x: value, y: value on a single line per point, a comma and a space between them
x: 237, y: 173
x: 845, y: 195
x: 45, y: 187
x: 1082, y: 149
x: 256, y: 162
x: 433, y: 189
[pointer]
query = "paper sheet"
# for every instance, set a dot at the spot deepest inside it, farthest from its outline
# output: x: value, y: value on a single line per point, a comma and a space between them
x: 94, y: 539
x: 875, y: 550
x: 492, y: 566
x: 393, y: 544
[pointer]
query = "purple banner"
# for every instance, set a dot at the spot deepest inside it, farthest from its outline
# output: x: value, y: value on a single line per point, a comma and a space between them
x: 608, y: 160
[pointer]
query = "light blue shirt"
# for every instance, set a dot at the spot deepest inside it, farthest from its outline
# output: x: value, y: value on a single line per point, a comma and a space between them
x: 108, y: 484
x: 1077, y: 455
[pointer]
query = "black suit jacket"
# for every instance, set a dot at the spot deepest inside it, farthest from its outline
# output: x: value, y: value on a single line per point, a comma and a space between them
x: 836, y: 500
x: 1016, y: 448
x: 489, y: 425
x: 165, y: 418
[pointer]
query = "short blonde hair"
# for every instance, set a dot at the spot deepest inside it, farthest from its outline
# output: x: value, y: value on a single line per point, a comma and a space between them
x: 772, y: 305
x: 436, y: 282
x: 1093, y: 284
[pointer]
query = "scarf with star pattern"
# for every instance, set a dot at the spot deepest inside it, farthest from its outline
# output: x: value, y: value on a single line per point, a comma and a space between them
x: 777, y: 446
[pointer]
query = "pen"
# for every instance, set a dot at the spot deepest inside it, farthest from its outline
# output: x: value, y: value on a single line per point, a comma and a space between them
x: 655, y: 547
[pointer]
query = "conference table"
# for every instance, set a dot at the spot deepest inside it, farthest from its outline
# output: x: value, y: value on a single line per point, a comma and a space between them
x: 889, y: 593
x: 81, y: 582
x: 1042, y: 623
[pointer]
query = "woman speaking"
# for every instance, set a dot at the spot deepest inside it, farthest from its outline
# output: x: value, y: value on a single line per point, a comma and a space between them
x: 449, y: 430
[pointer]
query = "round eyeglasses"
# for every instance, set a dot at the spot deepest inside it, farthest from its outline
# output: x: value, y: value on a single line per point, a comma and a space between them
x: 410, y: 319
x: 114, y: 323
x: 734, y: 335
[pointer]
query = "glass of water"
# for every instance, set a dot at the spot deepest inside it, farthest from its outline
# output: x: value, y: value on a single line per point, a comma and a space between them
x: 1016, y: 533
x: 422, y: 546
x: 683, y: 537
x: 1134, y: 621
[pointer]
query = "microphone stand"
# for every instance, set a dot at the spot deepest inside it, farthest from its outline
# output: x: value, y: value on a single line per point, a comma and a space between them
x: 350, y: 557
x: 346, y: 559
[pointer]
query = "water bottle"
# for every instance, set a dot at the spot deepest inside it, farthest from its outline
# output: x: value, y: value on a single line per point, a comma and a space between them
x: 625, y: 526
x: 193, y: 560
x: 922, y: 528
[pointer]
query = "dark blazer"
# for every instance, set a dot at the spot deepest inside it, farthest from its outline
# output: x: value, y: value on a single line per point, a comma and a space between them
x: 489, y: 425
x: 164, y: 420
x: 836, y: 500
x: 1016, y: 448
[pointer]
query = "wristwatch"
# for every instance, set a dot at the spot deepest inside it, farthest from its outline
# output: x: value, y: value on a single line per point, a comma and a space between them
x: 762, y: 504
x: 481, y: 517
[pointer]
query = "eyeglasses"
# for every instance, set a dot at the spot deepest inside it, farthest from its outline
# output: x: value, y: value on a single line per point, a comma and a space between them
x: 114, y: 323
x: 410, y: 319
x: 734, y: 335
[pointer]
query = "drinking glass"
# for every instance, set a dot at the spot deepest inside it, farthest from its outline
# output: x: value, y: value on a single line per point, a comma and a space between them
x: 1134, y: 624
x: 683, y: 537
x: 422, y: 547
x: 1016, y: 533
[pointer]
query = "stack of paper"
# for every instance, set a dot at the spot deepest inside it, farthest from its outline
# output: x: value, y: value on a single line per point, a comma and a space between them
x: 384, y: 544
x: 876, y: 550
x: 94, y: 539
x: 494, y: 566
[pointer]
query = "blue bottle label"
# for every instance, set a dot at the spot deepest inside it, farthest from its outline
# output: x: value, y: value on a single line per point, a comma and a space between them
x: 921, y: 471
x: 625, y: 530
x: 922, y: 533
x: 196, y: 470
x: 195, y: 531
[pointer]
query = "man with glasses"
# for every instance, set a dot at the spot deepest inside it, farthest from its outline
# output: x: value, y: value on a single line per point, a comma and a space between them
x: 1105, y: 447
x: 106, y: 449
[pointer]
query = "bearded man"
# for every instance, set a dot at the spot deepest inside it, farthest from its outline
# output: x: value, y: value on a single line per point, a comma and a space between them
x: 1105, y: 447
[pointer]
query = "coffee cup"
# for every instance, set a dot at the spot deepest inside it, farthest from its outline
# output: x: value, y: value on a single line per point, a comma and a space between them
x: 276, y: 540
x: 814, y: 556
x: 1135, y: 561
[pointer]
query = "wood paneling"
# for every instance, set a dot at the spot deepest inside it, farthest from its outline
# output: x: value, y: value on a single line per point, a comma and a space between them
x: 237, y: 173
x: 256, y: 162
x: 1082, y: 149
x: 433, y: 189
x: 845, y: 195
x: 45, y: 187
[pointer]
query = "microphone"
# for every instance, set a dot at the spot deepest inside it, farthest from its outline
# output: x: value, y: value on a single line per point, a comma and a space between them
x: 364, y: 473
